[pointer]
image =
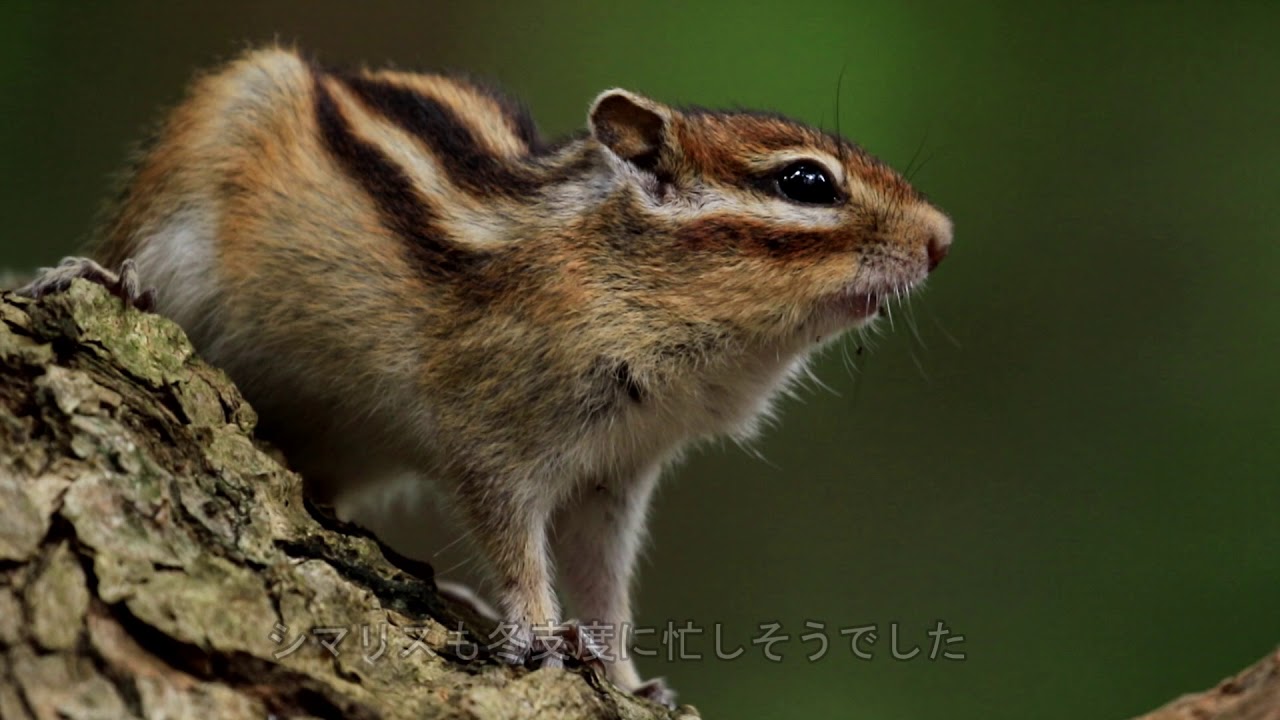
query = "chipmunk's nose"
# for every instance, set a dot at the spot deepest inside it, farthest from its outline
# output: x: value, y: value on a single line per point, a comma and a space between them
x: 938, y: 246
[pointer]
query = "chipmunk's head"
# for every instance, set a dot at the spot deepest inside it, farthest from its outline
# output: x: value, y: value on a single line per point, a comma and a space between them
x: 761, y: 225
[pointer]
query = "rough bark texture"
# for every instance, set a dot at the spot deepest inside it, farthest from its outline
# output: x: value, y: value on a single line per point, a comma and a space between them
x: 156, y: 563
x: 1253, y: 694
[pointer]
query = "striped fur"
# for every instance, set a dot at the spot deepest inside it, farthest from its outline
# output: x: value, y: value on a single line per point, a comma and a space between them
x: 408, y: 283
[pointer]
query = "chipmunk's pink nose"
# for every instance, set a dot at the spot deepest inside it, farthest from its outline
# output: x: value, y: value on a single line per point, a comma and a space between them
x: 938, y: 247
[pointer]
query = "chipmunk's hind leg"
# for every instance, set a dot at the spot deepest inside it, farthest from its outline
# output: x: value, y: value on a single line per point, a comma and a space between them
x: 123, y: 282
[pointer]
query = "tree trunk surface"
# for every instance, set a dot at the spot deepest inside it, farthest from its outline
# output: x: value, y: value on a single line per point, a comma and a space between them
x: 156, y: 562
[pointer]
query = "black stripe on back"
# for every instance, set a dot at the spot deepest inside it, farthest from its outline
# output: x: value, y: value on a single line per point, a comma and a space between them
x: 517, y: 113
x: 401, y: 207
x: 452, y: 143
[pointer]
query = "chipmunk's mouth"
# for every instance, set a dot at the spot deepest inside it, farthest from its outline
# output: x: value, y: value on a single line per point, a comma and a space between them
x: 845, y: 311
x: 862, y: 306
x: 857, y: 306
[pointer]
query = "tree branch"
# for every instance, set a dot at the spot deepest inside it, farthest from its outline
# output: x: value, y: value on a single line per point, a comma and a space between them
x: 1252, y: 694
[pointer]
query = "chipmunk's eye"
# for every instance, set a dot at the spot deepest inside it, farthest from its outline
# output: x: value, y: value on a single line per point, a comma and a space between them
x: 807, y: 182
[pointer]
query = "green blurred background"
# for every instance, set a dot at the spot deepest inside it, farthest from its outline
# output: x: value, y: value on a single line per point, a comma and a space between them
x: 1075, y: 463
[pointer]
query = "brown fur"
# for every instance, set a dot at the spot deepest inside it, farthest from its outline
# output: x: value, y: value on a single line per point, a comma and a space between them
x: 404, y: 279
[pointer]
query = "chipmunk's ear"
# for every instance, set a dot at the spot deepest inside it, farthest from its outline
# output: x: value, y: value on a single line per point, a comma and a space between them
x: 632, y: 126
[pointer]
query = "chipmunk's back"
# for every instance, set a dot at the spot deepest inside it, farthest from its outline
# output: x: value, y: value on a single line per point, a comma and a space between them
x: 271, y: 214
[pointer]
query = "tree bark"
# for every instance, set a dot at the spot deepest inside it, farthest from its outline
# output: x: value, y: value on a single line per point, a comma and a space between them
x: 155, y: 562
x: 1252, y: 694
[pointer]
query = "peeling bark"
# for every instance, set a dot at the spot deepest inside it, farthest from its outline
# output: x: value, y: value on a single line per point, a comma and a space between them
x: 156, y: 563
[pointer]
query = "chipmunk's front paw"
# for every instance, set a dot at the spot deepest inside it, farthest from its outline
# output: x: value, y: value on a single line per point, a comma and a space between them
x: 576, y: 643
x: 123, y: 283
x: 549, y: 646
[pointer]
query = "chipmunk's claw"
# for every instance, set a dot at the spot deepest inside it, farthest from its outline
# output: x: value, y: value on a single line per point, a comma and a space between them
x: 580, y: 645
x: 550, y: 647
x: 536, y: 647
x: 123, y: 283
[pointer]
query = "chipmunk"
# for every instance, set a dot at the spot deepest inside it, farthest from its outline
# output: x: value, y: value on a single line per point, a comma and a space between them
x: 404, y: 279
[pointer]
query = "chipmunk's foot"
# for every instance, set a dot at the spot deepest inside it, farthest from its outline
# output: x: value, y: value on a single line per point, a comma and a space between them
x: 537, y: 646
x: 656, y: 690
x: 541, y: 647
x: 569, y: 640
x: 548, y: 646
x: 123, y: 283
